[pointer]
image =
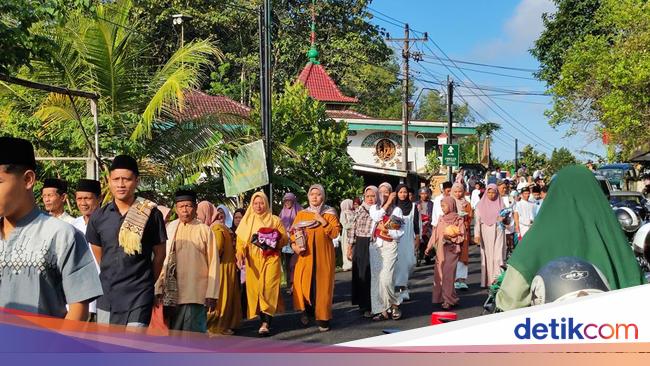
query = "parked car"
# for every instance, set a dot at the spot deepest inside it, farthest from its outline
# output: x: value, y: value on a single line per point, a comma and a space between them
x: 605, y: 185
x: 620, y: 175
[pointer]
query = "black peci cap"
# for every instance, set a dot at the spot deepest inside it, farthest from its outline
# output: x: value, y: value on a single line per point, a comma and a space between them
x: 17, y: 151
x: 124, y: 162
x: 89, y: 185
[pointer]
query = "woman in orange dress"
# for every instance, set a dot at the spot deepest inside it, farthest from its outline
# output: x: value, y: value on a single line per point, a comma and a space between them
x: 313, y: 278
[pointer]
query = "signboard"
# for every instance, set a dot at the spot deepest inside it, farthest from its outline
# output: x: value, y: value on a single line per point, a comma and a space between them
x: 246, y: 170
x: 450, y: 155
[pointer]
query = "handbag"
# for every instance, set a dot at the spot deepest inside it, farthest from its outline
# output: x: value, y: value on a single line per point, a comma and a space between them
x: 170, y: 288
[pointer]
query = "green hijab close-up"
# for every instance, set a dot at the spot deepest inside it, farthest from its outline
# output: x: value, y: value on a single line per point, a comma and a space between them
x: 575, y: 220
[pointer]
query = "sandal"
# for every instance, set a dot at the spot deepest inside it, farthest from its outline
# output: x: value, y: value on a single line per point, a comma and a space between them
x: 304, y: 319
x: 445, y: 306
x: 323, y: 329
x: 380, y: 317
x: 264, y: 330
x: 367, y: 314
x: 228, y: 332
x: 397, y: 313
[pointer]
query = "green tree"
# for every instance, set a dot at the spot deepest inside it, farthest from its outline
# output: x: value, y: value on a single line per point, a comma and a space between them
x: 140, y: 104
x: 315, y: 148
x: 570, y: 23
x: 433, y: 107
x: 351, y: 48
x: 532, y: 158
x: 559, y: 159
x: 18, y: 42
x: 433, y: 163
x: 602, y: 83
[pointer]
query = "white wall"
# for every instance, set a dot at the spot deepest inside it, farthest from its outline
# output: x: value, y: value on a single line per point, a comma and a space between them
x: 364, y: 155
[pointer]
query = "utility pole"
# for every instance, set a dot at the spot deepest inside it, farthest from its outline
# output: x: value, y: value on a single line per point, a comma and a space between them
x: 265, y: 87
x: 516, y: 155
x: 450, y: 135
x: 406, y: 56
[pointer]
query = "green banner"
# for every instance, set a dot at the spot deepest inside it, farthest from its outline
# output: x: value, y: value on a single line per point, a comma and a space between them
x: 246, y: 170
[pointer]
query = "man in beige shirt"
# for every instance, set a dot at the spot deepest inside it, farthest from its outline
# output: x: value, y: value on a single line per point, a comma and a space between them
x: 188, y: 285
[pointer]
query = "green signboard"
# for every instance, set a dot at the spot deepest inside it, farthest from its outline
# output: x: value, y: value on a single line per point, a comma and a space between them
x: 450, y: 155
x: 246, y: 170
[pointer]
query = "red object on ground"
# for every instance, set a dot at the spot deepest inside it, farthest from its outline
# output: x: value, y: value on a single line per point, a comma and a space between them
x: 441, y: 317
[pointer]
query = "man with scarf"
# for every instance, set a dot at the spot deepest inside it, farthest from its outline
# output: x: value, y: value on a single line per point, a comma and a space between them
x: 567, y: 227
x: 188, y: 285
x: 128, y: 239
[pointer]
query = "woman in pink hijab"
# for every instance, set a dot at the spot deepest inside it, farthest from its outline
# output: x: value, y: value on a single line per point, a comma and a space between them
x: 489, y: 235
x: 206, y: 213
x: 447, y: 239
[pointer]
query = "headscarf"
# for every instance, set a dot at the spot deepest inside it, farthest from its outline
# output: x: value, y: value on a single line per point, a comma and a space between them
x: 242, y: 212
x: 380, y: 199
x: 576, y: 220
x: 206, y: 213
x: 461, y: 203
x: 227, y: 220
x: 165, y: 211
x: 252, y: 221
x: 374, y: 189
x: 452, y: 217
x: 489, y: 209
x: 405, y: 205
x: 347, y: 210
x: 287, y: 215
x: 356, y: 201
x: 323, y: 208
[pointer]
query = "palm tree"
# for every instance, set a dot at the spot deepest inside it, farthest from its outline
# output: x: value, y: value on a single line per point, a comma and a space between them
x: 139, y: 103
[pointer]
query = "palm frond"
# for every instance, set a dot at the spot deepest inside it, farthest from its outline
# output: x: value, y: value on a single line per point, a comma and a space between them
x: 182, y: 72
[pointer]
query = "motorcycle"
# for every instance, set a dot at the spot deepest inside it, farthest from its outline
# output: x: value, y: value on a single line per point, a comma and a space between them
x: 635, y: 223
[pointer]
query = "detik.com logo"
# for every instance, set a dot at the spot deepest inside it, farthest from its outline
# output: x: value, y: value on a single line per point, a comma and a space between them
x: 569, y: 328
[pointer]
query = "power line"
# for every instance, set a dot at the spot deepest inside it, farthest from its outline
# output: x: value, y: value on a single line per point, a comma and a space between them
x: 487, y: 65
x: 481, y: 71
x: 533, y: 135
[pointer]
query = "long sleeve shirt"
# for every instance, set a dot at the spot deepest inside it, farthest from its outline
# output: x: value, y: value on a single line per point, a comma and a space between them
x: 197, y: 262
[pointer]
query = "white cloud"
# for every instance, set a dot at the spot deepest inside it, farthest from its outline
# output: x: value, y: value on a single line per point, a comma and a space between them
x: 519, y: 31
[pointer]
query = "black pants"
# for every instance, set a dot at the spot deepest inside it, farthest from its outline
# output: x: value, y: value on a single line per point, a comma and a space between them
x: 266, y: 318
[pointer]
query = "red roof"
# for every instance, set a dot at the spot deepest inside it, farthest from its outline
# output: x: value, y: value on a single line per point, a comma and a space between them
x: 345, y: 114
x: 199, y: 104
x: 321, y: 86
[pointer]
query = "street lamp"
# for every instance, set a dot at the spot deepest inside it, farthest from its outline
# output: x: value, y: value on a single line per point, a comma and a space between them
x: 178, y: 19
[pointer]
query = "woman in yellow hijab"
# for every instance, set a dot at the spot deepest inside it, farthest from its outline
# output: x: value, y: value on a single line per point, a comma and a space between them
x: 263, y: 268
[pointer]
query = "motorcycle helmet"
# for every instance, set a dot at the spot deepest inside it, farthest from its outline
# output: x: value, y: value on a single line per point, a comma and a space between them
x: 628, y: 219
x: 566, y: 278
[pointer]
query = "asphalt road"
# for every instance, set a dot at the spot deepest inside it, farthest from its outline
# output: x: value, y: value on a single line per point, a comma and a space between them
x: 347, y: 323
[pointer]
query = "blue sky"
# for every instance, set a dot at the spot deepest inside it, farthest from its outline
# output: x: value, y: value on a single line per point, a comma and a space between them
x: 497, y: 32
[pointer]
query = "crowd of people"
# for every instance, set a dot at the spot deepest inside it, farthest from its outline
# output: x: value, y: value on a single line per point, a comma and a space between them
x: 209, y: 268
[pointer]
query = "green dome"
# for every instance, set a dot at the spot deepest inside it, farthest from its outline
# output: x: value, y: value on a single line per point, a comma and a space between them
x: 312, y: 54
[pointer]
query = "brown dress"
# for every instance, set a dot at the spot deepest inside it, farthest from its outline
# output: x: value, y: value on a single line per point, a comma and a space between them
x: 313, y: 278
x: 229, y: 310
x: 447, y: 253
